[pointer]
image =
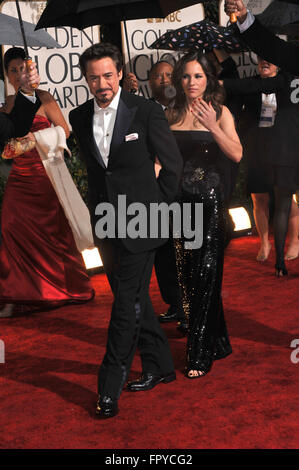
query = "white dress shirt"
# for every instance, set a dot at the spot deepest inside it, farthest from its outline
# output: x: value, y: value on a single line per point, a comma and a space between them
x: 31, y: 98
x: 247, y: 23
x: 103, y: 125
x: 269, y: 103
x: 269, y: 110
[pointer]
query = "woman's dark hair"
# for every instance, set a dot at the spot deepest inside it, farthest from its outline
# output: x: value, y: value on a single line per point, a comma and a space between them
x: 99, y: 51
x: 11, y: 54
x: 214, y: 92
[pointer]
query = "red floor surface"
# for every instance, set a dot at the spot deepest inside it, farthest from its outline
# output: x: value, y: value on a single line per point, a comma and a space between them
x: 248, y: 400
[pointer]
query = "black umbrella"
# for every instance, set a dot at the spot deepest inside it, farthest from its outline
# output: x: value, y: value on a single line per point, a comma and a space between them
x: 279, y: 16
x: 202, y: 35
x: 22, y: 29
x: 83, y: 13
x: 10, y: 33
x: 291, y: 29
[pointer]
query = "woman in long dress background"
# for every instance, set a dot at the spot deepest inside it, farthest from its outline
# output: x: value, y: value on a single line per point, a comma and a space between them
x: 207, y: 139
x: 40, y: 265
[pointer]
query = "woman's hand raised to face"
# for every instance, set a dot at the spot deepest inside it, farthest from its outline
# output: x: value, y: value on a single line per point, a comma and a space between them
x: 204, y: 113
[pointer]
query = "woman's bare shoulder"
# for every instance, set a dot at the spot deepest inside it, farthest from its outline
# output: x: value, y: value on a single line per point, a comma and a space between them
x: 45, y: 96
x: 226, y: 114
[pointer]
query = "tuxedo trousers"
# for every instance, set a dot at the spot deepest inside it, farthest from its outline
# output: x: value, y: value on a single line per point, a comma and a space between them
x: 133, y: 323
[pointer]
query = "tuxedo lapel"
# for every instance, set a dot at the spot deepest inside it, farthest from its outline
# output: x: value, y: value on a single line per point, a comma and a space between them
x: 124, y: 117
x: 88, y: 132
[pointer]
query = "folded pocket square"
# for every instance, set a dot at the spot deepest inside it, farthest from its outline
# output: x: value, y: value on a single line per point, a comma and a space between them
x: 131, y: 137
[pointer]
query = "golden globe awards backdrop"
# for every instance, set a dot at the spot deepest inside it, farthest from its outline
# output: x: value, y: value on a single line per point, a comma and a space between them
x: 246, y: 61
x: 59, y: 68
x: 138, y: 35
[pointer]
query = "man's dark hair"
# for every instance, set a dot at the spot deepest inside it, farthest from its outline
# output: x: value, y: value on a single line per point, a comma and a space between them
x: 11, y: 54
x: 100, y: 51
x: 153, y: 68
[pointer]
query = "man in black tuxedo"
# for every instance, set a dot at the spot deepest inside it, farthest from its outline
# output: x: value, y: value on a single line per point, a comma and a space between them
x: 120, y: 135
x: 18, y: 122
x: 262, y: 41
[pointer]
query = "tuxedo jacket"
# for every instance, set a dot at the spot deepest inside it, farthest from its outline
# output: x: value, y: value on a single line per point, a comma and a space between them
x: 269, y: 47
x: 130, y: 169
x: 18, y: 122
x: 283, y: 137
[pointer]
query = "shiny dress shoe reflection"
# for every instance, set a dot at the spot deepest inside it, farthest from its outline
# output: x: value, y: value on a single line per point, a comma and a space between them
x: 106, y: 407
x: 148, y: 381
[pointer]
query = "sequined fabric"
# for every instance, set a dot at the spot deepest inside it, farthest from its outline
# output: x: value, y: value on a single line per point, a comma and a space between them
x: 200, y: 270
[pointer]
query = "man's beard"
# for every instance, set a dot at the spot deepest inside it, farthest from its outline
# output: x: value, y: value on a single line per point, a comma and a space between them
x: 102, y: 99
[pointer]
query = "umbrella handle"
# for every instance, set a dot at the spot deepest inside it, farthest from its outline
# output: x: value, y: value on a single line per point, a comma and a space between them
x: 233, y: 18
x: 28, y: 63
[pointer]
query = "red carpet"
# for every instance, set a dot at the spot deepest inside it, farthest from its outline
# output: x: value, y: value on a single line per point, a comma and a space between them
x: 248, y: 400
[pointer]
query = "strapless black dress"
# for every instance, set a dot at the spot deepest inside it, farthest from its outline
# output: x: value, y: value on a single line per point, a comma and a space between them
x: 200, y: 270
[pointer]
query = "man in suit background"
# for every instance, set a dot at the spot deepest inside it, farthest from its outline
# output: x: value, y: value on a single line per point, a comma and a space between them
x: 119, y: 136
x: 269, y: 124
x: 160, y: 82
x: 262, y: 41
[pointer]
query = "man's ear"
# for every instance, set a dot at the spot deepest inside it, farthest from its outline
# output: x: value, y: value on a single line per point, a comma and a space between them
x: 120, y: 75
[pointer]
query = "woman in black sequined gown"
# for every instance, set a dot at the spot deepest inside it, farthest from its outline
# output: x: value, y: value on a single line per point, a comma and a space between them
x: 207, y: 138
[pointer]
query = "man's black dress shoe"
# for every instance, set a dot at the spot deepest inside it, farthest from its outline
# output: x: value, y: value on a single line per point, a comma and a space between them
x: 106, y: 407
x: 148, y: 381
x: 170, y: 315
